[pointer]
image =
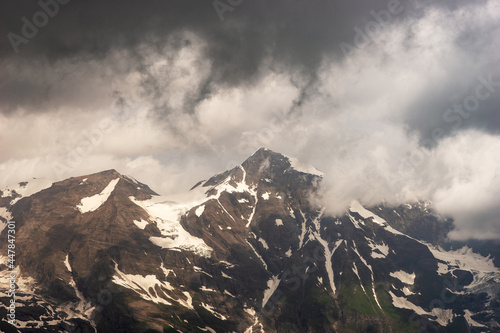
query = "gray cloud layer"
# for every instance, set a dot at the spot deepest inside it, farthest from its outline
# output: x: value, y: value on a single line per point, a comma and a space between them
x: 372, y: 104
x: 289, y: 36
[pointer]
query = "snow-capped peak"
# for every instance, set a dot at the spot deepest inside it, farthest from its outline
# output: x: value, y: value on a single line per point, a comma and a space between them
x: 305, y: 168
x: 26, y: 189
x: 356, y: 207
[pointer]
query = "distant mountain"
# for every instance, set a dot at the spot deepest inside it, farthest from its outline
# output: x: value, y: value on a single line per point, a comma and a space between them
x: 244, y: 251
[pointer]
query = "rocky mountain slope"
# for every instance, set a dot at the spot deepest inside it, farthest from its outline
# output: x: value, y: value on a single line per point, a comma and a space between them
x: 244, y: 251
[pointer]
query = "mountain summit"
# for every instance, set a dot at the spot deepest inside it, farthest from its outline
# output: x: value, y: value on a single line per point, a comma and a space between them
x: 244, y: 251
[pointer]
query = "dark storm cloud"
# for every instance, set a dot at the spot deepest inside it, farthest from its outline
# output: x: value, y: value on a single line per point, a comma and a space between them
x: 248, y: 32
x: 295, y: 35
x: 453, y: 105
x: 290, y: 36
x: 445, y: 110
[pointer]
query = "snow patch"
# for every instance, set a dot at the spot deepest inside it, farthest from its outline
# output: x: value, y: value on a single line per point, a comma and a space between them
x: 378, y: 250
x: 375, y: 296
x: 211, y: 309
x: 227, y: 264
x: 4, y: 212
x: 279, y: 222
x: 31, y: 187
x: 141, y: 224
x: 264, y: 243
x: 167, y: 272
x: 328, y: 254
x: 443, y: 316
x: 304, y: 168
x: 132, y: 179
x: 258, y: 255
x: 356, y: 207
x: 183, y: 241
x: 146, y: 286
x: 250, y: 311
x: 272, y: 285
x: 371, y: 271
x: 404, y: 277
x: 188, y: 303
x: 468, y: 316
x: 303, y: 229
x: 250, y: 218
x: 166, y: 215
x: 66, y: 263
x: 82, y: 307
x: 403, y: 303
x: 407, y: 291
x: 256, y: 322
x: 265, y: 196
x: 224, y: 209
x: 200, y: 210
x: 355, y: 270
x: 92, y: 203
x: 354, y: 221
x: 442, y: 268
x: 482, y: 268
x: 199, y: 270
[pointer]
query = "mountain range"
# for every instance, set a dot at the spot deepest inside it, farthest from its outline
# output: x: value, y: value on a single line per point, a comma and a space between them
x: 247, y: 250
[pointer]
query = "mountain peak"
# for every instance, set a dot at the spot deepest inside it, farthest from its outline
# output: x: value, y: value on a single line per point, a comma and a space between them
x: 264, y: 153
x: 266, y: 157
x: 104, y: 177
x: 264, y: 165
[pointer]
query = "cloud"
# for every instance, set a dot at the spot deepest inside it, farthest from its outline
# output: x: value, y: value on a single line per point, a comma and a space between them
x: 472, y: 189
x: 170, y: 94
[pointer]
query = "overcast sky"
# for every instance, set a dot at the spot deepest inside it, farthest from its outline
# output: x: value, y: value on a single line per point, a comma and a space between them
x: 394, y: 100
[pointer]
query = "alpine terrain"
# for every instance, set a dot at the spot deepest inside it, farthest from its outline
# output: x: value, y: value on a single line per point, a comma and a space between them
x: 244, y: 251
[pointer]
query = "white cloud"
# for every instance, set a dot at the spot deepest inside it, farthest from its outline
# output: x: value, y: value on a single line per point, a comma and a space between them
x: 471, y: 195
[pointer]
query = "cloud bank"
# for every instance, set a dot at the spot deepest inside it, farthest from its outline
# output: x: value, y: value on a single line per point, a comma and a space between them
x: 394, y: 101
